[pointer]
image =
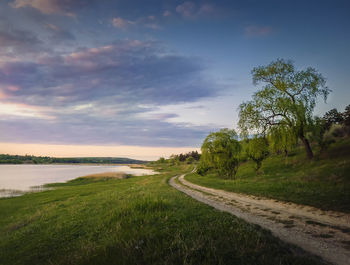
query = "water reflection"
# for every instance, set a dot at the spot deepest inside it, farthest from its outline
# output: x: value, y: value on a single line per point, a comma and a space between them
x: 17, y: 179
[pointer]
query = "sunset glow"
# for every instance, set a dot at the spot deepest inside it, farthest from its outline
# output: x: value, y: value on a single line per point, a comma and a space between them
x: 135, y: 152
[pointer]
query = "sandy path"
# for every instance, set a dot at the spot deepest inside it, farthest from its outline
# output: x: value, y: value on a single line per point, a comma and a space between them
x: 323, y: 233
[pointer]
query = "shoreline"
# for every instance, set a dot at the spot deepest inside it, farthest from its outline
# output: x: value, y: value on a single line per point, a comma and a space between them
x: 10, y: 193
x: 88, y: 164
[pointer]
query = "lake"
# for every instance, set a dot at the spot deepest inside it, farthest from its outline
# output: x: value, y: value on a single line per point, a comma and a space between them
x: 23, y: 177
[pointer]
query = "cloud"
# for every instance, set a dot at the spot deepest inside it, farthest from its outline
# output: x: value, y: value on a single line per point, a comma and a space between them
x: 187, y: 9
x: 59, y: 34
x: 161, y: 116
x: 48, y: 7
x: 191, y: 10
x: 95, y: 132
x: 147, y: 22
x: 96, y: 95
x: 23, y: 111
x: 16, y: 40
x: 121, y: 23
x: 206, y: 9
x: 258, y: 31
x: 167, y: 13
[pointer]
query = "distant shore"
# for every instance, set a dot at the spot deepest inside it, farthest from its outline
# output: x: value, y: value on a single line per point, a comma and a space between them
x: 29, y: 159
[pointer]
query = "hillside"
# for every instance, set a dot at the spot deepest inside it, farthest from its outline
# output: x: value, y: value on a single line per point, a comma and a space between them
x: 323, y: 182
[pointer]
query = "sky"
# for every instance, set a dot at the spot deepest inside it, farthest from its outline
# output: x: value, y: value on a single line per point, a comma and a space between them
x: 145, y: 79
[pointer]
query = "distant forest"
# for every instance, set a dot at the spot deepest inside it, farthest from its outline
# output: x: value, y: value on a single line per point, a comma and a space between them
x: 29, y: 159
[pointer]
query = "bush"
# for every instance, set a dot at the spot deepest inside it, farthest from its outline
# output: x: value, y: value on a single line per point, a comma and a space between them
x: 189, y: 160
x: 337, y: 131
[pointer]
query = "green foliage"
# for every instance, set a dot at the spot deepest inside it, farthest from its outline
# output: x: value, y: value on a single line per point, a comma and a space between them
x: 282, y: 139
x: 287, y: 98
x: 193, y: 155
x: 346, y: 116
x: 257, y: 150
x: 221, y: 151
x: 332, y: 117
x: 183, y: 157
x: 189, y: 160
x: 332, y: 125
x: 161, y: 160
x: 323, y: 182
x: 336, y: 131
x: 317, y: 134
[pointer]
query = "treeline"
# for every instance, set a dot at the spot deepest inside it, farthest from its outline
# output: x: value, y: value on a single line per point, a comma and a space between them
x: 278, y: 119
x: 30, y: 159
x: 188, y: 158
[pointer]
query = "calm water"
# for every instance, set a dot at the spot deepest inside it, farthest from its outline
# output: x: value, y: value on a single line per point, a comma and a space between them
x: 22, y: 177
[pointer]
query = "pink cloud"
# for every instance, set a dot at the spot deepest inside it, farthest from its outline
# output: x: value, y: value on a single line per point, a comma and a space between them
x: 47, y: 6
x: 13, y: 88
x: 3, y: 95
x: 93, y: 59
x: 148, y: 22
x: 258, y: 31
x: 121, y: 23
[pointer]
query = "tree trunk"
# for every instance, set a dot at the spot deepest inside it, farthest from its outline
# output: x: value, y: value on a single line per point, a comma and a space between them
x: 307, y: 146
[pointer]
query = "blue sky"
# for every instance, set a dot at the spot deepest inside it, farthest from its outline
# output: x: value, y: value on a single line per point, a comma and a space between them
x: 154, y: 73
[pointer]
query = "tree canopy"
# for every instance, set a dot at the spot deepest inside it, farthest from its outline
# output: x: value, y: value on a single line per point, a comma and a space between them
x: 332, y: 117
x: 221, y: 150
x: 257, y: 150
x: 281, y: 139
x: 287, y: 98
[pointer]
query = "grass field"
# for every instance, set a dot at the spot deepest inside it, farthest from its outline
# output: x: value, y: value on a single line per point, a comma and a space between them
x: 323, y: 182
x: 136, y: 220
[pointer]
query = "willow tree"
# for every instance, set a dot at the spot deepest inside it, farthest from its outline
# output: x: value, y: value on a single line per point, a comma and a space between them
x: 281, y: 139
x: 287, y: 98
x: 257, y: 150
x: 221, y: 151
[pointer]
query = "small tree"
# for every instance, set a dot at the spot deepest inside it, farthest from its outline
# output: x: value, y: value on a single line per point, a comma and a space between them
x: 221, y: 151
x: 257, y: 150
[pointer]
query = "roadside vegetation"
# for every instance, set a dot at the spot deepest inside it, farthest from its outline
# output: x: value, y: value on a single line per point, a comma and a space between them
x: 284, y: 152
x: 323, y: 182
x: 137, y: 220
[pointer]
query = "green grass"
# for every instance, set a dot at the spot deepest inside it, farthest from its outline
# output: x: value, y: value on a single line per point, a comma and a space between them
x: 323, y: 182
x: 137, y: 220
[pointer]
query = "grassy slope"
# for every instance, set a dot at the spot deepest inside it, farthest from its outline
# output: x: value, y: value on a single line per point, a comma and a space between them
x: 139, y: 220
x: 323, y: 183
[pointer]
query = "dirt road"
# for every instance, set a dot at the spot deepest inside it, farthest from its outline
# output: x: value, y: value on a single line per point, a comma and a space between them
x: 323, y: 233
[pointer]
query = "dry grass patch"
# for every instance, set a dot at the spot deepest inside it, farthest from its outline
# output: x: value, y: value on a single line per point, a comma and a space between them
x: 107, y: 175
